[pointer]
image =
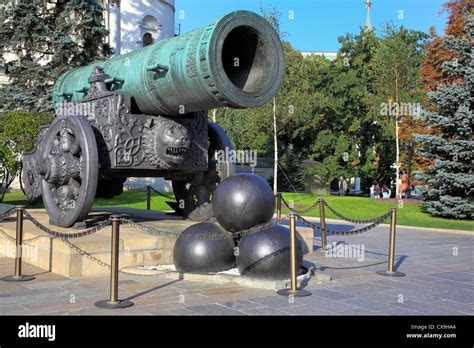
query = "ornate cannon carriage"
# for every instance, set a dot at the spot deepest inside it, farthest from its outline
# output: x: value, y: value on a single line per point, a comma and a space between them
x: 144, y: 114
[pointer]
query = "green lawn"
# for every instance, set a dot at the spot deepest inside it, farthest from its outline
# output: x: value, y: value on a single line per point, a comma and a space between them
x: 352, y: 207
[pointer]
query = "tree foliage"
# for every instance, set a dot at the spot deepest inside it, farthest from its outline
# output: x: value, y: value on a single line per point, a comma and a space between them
x: 397, y: 64
x: 18, y: 133
x: 40, y: 40
x: 450, y: 177
x: 436, y: 51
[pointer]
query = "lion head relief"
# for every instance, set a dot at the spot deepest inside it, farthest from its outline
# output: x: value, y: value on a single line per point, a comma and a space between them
x: 166, y: 142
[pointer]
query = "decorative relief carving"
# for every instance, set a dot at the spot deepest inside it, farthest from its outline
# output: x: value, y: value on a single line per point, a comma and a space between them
x: 197, y: 127
x: 128, y: 150
x: 191, y: 57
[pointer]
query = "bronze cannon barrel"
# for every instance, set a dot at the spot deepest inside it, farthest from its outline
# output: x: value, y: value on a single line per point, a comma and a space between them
x: 235, y: 61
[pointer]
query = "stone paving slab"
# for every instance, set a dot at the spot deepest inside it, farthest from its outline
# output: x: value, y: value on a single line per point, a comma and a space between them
x: 437, y: 282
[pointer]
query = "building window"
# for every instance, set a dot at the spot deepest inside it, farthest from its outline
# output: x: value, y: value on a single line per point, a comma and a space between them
x: 150, y: 30
x: 147, y: 39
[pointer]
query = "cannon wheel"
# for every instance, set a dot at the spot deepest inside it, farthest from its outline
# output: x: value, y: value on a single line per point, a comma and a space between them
x: 70, y: 169
x: 193, y: 198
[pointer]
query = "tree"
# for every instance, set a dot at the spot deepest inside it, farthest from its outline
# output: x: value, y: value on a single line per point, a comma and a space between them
x: 436, y: 51
x: 42, y: 39
x: 432, y: 73
x: 18, y: 133
x: 397, y: 65
x: 449, y: 179
x: 346, y: 130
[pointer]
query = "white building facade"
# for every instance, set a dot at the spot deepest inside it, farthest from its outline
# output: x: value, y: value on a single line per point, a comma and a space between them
x: 327, y: 55
x: 134, y: 24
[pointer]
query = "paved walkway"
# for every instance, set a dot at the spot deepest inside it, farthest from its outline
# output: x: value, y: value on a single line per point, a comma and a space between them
x: 439, y: 280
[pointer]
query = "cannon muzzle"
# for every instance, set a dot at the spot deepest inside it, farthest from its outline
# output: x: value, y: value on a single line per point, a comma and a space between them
x: 236, y: 61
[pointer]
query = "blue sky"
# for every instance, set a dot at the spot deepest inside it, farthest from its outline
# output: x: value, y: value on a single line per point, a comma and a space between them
x: 318, y: 23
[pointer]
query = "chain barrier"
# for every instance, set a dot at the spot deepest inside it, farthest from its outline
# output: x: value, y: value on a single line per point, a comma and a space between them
x: 66, y: 236
x: 154, y: 231
x: 312, y: 207
x: 158, y: 232
x: 10, y: 238
x: 50, y: 233
x: 109, y: 267
x: 7, y: 214
x: 342, y: 217
x: 25, y: 241
x: 160, y: 193
x: 85, y: 253
x: 374, y: 224
x: 56, y: 234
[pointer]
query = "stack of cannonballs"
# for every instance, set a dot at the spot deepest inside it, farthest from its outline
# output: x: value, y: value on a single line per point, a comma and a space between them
x: 240, y: 202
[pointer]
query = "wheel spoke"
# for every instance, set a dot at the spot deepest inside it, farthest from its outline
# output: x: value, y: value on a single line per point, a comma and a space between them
x: 75, y: 187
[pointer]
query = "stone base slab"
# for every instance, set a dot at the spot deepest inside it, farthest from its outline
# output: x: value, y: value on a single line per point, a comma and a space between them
x: 307, y: 276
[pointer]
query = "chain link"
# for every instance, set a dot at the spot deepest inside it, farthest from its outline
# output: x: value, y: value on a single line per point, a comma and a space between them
x: 56, y: 234
x: 312, y: 207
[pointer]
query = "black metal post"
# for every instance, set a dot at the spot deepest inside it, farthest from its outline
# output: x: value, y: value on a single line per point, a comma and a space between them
x: 148, y: 198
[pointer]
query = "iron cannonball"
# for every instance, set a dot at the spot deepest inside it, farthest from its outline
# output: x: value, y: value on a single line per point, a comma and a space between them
x: 242, y: 201
x: 266, y: 254
x: 192, y: 254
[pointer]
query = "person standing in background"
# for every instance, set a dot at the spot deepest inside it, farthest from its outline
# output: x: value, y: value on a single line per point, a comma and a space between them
x: 385, y: 191
x: 378, y: 190
x: 403, y: 185
x: 342, y: 186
